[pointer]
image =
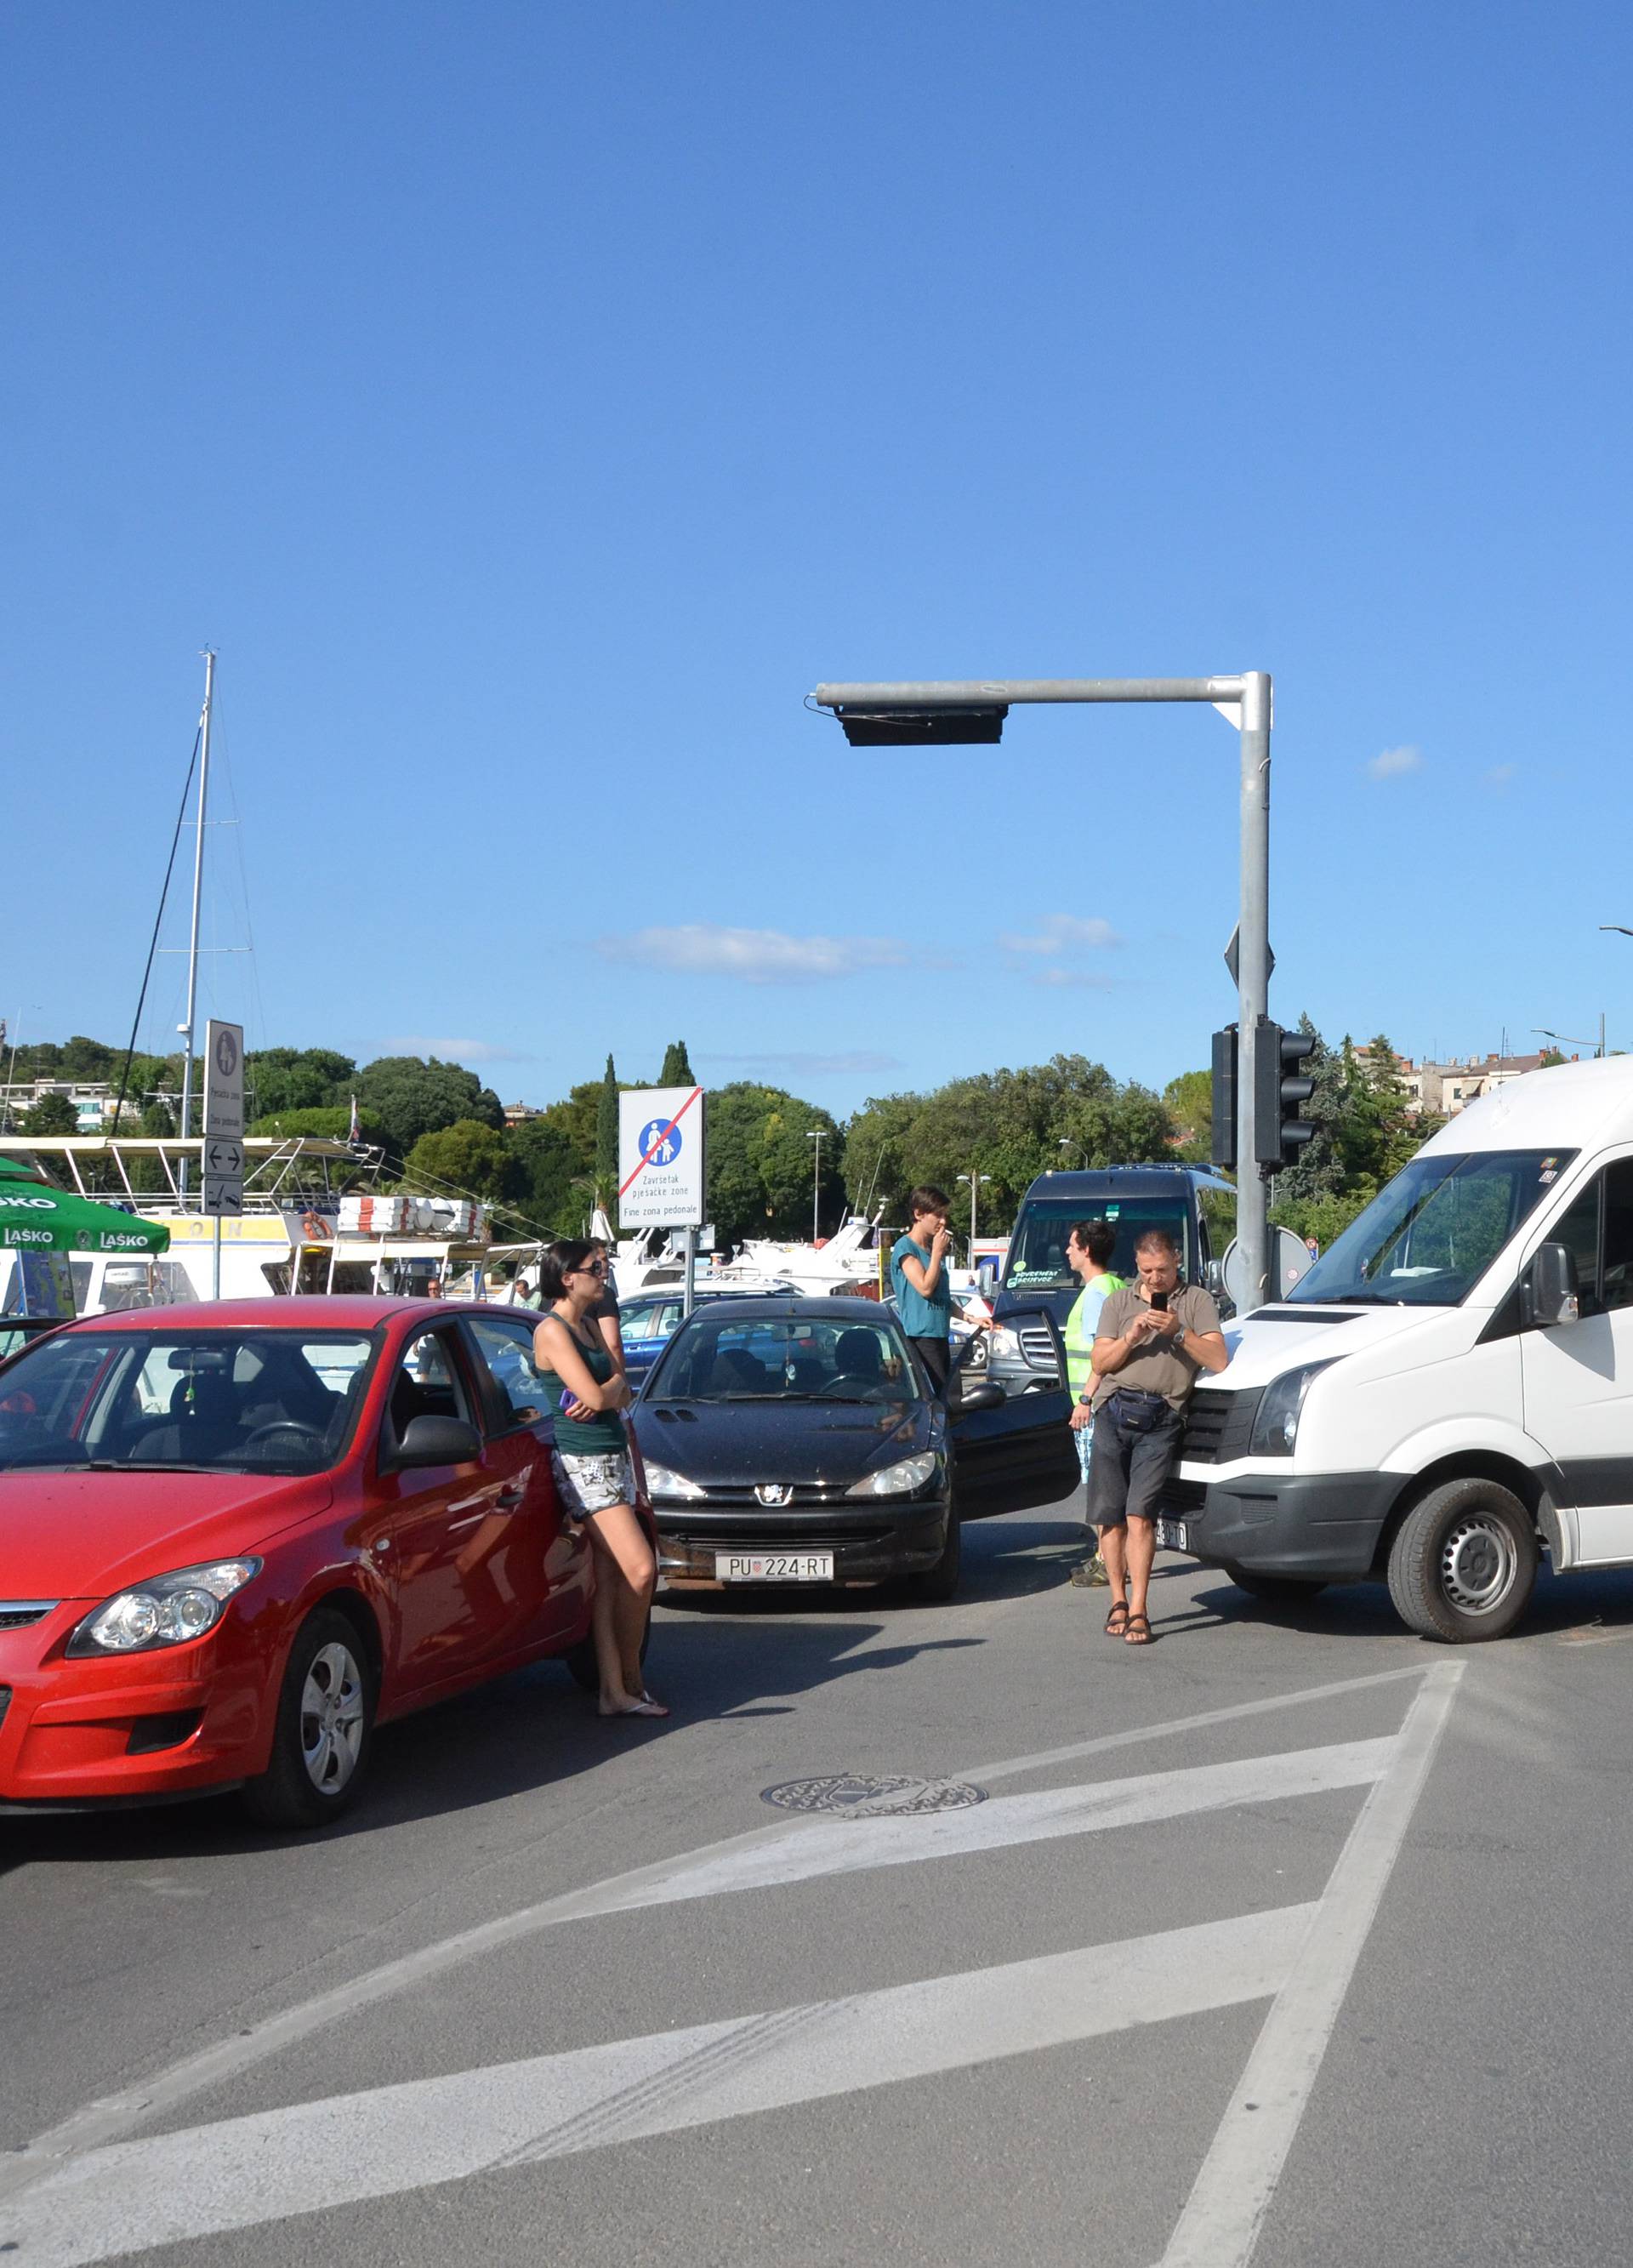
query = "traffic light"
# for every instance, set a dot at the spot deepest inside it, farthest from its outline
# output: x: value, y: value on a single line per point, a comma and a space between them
x: 1224, y: 1149
x: 1279, y: 1088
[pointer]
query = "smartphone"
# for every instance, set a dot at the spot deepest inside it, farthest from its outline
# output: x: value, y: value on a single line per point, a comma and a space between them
x: 1159, y: 1303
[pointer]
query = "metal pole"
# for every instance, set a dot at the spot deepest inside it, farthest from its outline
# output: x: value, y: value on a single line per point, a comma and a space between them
x: 1601, y: 1035
x: 816, y: 1185
x: 215, y: 1262
x: 1253, y: 985
x: 687, y: 1300
x: 198, y: 884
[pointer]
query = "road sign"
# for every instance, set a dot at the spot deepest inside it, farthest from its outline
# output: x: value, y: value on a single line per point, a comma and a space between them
x: 224, y: 1160
x: 223, y: 1080
x: 660, y: 1158
x: 224, y: 1193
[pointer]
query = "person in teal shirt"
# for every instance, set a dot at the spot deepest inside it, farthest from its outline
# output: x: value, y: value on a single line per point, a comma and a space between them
x: 1089, y: 1250
x: 918, y: 1280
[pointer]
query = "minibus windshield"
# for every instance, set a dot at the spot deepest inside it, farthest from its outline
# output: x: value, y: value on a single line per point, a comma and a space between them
x: 1434, y: 1230
x: 1037, y: 1254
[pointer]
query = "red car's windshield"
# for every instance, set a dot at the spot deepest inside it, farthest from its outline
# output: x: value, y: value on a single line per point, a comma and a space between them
x: 169, y: 1400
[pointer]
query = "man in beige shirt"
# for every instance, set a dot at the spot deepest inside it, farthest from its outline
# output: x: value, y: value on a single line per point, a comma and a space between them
x: 1152, y: 1340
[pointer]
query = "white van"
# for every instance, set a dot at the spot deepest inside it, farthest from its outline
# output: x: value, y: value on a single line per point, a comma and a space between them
x: 1449, y: 1391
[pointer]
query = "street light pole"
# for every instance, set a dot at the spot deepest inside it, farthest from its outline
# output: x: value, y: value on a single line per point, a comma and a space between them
x: 974, y: 1181
x: 816, y: 1178
x: 943, y: 713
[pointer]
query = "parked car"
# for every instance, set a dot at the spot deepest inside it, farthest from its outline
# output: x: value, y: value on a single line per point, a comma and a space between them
x: 1195, y: 1206
x: 801, y: 1440
x: 1443, y: 1397
x: 650, y: 1319
x: 236, y: 1537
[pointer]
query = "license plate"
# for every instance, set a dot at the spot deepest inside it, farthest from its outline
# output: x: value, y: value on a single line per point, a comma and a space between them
x: 774, y: 1566
x: 1172, y: 1535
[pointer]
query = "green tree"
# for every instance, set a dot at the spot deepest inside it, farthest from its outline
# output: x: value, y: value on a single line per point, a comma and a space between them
x: 83, y: 1059
x: 1189, y: 1101
x: 541, y: 1168
x: 761, y: 1164
x: 332, y: 1122
x: 468, y: 1156
x: 297, y: 1079
x: 677, y: 1069
x: 1549, y: 1058
x: 606, y: 1140
x: 414, y: 1095
x: 52, y: 1114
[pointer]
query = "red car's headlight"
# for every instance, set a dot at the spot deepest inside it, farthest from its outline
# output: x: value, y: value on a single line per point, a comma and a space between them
x: 167, y: 1611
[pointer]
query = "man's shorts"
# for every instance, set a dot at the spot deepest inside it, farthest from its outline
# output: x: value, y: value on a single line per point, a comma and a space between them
x: 585, y: 1485
x: 1129, y: 1469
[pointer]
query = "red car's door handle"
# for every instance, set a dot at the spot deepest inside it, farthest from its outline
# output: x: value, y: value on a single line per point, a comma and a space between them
x: 510, y: 1500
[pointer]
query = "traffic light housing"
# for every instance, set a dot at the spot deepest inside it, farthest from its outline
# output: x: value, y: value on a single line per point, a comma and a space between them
x: 1279, y: 1088
x: 1224, y: 1146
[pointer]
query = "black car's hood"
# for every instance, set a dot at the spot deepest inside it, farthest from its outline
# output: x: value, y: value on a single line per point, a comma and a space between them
x: 733, y: 1443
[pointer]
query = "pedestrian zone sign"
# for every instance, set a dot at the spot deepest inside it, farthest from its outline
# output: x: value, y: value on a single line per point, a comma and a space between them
x: 660, y: 1157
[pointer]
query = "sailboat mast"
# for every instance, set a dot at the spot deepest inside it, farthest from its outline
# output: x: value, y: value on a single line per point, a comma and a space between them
x: 198, y: 884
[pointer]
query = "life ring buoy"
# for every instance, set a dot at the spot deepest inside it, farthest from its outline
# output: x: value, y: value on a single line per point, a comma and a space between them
x: 314, y: 1227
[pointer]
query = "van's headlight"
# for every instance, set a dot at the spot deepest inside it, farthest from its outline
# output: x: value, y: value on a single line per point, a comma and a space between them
x: 897, y: 1480
x: 168, y: 1611
x: 1276, y: 1427
x: 1005, y: 1344
x: 660, y: 1481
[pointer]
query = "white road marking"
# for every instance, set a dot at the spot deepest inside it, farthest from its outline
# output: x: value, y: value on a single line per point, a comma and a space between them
x: 383, y: 2142
x: 1219, y: 2227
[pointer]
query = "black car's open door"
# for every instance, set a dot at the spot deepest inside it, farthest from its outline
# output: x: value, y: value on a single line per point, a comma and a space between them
x: 1020, y: 1453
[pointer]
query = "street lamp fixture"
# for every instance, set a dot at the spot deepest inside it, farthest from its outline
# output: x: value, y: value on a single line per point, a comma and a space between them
x: 1066, y: 1143
x: 1571, y: 1039
x: 972, y: 712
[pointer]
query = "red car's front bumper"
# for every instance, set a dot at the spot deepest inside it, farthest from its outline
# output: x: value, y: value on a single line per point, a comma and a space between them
x: 137, y: 1727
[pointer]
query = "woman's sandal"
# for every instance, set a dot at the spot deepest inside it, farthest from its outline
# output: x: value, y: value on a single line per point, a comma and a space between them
x: 1114, y: 1628
x: 1137, y: 1631
x: 643, y: 1707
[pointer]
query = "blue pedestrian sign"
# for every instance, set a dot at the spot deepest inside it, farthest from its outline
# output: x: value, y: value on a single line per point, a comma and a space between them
x: 661, y: 1142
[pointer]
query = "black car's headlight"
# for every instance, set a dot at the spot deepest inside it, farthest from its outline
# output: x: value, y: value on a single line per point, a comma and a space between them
x: 661, y: 1482
x: 1276, y: 1424
x: 169, y: 1611
x: 898, y: 1479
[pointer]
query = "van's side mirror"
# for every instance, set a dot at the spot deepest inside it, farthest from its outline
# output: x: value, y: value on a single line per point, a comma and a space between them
x: 1551, y: 1292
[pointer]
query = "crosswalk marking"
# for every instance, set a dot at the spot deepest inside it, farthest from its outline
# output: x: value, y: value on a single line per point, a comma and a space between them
x: 312, y: 2156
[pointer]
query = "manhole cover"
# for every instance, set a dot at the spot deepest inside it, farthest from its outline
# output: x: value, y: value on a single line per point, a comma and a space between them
x: 860, y: 1795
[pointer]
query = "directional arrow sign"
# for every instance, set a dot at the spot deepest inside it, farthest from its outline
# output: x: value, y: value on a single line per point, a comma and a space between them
x: 225, y: 1160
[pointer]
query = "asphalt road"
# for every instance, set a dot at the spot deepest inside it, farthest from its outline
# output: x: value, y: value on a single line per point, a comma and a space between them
x: 1288, y: 1938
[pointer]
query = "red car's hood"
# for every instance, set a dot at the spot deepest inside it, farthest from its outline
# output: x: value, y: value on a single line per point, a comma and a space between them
x: 84, y: 1535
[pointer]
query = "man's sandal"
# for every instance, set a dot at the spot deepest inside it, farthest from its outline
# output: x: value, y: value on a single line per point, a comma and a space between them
x: 1137, y: 1631
x: 1114, y: 1628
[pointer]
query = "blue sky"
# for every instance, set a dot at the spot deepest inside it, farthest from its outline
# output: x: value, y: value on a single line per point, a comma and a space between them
x: 531, y: 403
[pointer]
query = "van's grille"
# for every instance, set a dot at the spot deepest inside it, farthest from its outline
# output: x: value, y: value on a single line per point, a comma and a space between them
x: 1038, y: 1347
x: 1218, y: 1426
x: 17, y: 1614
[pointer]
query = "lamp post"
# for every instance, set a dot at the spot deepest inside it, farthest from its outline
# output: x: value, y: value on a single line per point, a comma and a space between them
x: 972, y: 713
x: 1066, y: 1143
x: 974, y: 1181
x: 1570, y: 1039
x: 815, y: 1135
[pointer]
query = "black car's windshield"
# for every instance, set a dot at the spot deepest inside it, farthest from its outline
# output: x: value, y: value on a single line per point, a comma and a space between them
x: 1037, y: 1253
x: 178, y: 1401
x: 1433, y: 1230
x: 721, y: 1358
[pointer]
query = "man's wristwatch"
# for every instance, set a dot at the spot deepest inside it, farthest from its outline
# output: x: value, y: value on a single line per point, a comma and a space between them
x: 1179, y: 1339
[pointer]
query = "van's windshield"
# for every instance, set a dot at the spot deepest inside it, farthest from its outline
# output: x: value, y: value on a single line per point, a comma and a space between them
x: 1037, y: 1253
x: 1432, y: 1231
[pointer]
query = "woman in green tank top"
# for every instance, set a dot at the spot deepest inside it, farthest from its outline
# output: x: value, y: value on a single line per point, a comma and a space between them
x: 594, y: 1474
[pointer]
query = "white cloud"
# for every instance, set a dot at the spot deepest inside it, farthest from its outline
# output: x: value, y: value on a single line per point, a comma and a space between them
x: 1057, y: 933
x: 460, y: 1051
x: 1091, y: 978
x: 812, y: 1066
x: 756, y: 956
x: 1394, y: 761
x: 1500, y: 775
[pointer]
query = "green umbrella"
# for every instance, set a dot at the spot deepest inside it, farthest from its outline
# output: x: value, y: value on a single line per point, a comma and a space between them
x: 36, y: 1218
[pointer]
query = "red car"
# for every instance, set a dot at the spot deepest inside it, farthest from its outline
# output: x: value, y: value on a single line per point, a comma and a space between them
x: 234, y: 1538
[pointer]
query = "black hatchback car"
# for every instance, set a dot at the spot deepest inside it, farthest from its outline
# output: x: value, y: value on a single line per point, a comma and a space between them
x: 800, y: 1440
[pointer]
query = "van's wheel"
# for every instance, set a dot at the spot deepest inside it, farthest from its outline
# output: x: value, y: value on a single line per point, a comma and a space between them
x: 326, y: 1719
x: 938, y: 1583
x: 1464, y: 1563
x: 1277, y: 1590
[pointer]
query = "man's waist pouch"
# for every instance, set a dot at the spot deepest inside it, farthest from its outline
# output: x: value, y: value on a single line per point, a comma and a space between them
x: 1137, y: 1412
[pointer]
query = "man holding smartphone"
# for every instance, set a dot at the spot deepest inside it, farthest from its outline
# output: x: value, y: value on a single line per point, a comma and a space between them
x: 918, y: 1281
x: 1153, y: 1339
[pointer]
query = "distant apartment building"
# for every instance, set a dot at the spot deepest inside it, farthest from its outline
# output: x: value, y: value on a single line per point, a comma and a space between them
x: 517, y: 1112
x: 93, y: 1100
x: 1442, y: 1089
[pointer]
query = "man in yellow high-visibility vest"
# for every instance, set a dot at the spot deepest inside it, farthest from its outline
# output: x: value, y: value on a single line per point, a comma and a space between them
x: 1089, y: 1250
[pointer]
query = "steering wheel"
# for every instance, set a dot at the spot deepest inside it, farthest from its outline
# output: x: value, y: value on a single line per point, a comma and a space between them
x: 295, y: 1425
x: 852, y: 1386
